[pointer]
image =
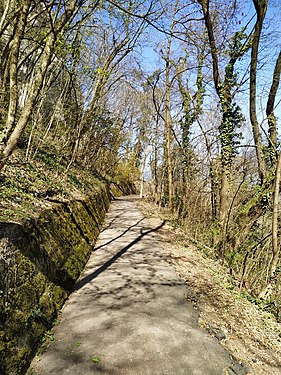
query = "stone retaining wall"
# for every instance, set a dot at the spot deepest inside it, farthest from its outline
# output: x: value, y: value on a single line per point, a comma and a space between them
x: 40, y: 261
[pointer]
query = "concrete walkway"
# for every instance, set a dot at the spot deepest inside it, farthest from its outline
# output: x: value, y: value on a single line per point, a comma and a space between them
x: 129, y: 314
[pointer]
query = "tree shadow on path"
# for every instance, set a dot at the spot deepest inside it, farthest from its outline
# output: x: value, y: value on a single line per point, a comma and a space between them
x: 107, y: 264
x: 116, y: 238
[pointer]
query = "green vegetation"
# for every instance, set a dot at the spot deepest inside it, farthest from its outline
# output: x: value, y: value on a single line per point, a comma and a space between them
x: 48, y: 336
x: 96, y: 359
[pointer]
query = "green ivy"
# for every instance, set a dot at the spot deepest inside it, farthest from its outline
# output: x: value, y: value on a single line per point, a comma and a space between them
x: 232, y: 117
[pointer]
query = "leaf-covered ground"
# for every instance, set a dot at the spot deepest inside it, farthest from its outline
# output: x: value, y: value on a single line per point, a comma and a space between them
x: 252, y: 336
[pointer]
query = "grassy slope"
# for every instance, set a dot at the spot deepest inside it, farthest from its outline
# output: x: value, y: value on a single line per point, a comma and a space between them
x: 29, y: 187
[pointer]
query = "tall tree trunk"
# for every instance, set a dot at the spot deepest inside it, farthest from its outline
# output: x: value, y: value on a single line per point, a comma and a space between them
x: 261, y: 7
x: 272, y: 144
x: 275, y: 242
x: 224, y: 188
x: 168, y: 122
x: 168, y: 128
x: 155, y: 161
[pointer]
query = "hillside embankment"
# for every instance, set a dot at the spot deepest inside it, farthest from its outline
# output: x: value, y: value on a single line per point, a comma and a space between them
x: 50, y: 219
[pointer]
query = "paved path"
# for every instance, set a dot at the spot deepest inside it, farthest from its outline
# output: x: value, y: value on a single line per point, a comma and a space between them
x: 129, y: 314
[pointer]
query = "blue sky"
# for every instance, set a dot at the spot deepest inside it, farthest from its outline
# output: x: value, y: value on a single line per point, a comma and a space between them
x: 269, y: 49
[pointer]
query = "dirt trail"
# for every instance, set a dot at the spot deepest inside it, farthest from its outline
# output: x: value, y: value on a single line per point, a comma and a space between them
x: 129, y: 313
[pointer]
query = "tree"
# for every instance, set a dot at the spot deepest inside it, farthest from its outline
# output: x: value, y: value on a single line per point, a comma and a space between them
x: 261, y: 7
x: 57, y: 18
x: 231, y: 113
x: 269, y: 167
x: 118, y: 37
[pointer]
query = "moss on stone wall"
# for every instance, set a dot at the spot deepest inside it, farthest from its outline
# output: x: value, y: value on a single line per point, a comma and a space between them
x: 40, y: 262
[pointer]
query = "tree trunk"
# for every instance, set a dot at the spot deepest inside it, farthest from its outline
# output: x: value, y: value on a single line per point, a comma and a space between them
x: 223, y: 199
x: 272, y: 144
x: 30, y: 102
x: 168, y: 136
x: 14, y: 47
x: 225, y: 168
x: 168, y: 125
x: 275, y: 244
x: 261, y: 6
x: 155, y: 162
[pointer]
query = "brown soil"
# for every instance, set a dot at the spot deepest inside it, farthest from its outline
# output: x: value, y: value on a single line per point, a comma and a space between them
x: 251, y: 336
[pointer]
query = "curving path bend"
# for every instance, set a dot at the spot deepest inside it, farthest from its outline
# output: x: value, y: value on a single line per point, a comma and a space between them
x: 128, y: 314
